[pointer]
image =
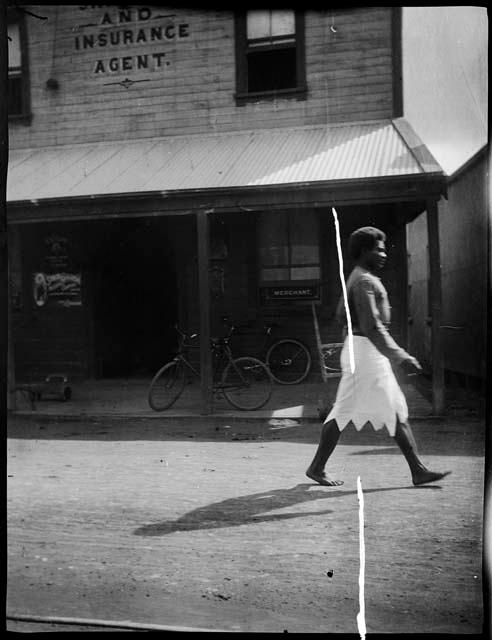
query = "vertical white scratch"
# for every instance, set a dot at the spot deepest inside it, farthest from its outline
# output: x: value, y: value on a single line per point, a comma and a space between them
x: 361, y: 616
x: 344, y: 290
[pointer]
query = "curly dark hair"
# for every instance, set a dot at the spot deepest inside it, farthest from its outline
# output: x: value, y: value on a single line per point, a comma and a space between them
x: 364, y: 238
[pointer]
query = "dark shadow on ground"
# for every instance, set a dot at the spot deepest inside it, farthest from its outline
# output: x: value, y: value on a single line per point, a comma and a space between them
x: 456, y: 436
x: 255, y: 508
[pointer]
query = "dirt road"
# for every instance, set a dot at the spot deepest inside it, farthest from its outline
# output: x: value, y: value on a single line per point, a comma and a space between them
x: 217, y: 527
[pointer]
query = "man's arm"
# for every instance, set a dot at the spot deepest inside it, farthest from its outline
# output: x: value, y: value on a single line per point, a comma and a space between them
x: 370, y: 323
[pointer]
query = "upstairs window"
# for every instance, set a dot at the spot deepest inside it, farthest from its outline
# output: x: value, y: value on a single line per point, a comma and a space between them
x: 269, y: 54
x: 18, y: 83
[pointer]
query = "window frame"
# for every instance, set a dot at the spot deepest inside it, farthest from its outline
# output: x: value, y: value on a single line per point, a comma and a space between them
x: 264, y: 284
x: 242, y: 95
x: 16, y: 17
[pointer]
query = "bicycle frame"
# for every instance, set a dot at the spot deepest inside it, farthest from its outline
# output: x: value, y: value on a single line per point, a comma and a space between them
x: 288, y: 359
x: 184, y: 361
x: 222, y: 357
x: 265, y: 331
x: 242, y: 380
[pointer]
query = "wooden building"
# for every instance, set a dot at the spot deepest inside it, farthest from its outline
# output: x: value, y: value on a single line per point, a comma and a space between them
x: 174, y: 165
x: 463, y: 237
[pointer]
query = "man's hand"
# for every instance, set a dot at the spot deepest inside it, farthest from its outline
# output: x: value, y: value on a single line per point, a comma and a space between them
x: 411, y: 366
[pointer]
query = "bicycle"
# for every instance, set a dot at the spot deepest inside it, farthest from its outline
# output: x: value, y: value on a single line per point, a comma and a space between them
x: 245, y: 382
x: 288, y: 359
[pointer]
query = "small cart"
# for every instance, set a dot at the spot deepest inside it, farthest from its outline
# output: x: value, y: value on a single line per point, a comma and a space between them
x: 55, y: 386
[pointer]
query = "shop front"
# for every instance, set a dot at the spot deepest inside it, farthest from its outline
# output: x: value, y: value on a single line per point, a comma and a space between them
x: 104, y: 265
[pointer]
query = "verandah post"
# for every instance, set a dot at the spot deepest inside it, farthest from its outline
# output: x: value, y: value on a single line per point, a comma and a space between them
x: 203, y: 234
x: 435, y: 297
x: 11, y: 238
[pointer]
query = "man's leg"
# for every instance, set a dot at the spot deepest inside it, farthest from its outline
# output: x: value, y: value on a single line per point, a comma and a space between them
x: 328, y: 441
x: 406, y: 441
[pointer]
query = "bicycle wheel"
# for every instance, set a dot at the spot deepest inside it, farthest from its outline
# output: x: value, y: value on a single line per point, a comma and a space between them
x: 246, y: 383
x: 166, y: 386
x: 331, y: 359
x: 289, y: 361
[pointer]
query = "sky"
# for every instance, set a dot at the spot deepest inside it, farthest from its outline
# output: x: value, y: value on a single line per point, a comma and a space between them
x: 445, y: 87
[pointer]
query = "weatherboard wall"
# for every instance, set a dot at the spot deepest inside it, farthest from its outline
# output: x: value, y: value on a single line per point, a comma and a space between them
x: 172, y: 72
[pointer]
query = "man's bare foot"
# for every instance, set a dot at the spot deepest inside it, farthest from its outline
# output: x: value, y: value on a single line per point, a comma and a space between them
x: 322, y: 478
x: 424, y: 476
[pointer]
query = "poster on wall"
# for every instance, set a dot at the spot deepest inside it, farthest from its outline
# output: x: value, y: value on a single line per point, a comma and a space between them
x: 56, y: 258
x: 60, y: 289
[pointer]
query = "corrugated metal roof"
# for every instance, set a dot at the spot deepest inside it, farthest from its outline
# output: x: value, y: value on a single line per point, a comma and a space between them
x: 227, y: 160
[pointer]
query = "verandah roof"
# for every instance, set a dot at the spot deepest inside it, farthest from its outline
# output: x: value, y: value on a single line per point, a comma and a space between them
x: 258, y: 158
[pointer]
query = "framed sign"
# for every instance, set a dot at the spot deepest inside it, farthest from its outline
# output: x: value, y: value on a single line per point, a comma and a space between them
x: 290, y: 291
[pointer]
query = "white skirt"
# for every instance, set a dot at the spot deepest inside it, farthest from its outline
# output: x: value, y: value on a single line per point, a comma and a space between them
x: 370, y: 394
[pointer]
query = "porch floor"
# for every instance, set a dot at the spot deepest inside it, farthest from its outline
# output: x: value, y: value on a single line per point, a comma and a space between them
x: 128, y: 398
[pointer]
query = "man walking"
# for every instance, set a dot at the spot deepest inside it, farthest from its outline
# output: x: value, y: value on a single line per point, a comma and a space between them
x: 370, y: 393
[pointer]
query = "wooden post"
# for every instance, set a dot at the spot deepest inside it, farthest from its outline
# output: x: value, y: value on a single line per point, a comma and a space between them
x: 435, y: 307
x: 11, y: 396
x: 7, y: 399
x: 319, y: 344
x: 202, y: 223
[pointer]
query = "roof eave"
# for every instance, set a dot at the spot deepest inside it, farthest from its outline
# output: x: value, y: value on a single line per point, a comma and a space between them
x: 401, y: 188
x: 417, y: 147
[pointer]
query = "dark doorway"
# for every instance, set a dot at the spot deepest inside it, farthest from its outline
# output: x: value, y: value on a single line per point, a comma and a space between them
x: 136, y: 297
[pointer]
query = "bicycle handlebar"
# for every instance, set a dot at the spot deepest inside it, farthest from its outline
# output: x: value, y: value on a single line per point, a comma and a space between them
x: 185, y: 336
x: 266, y: 327
x: 190, y: 336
